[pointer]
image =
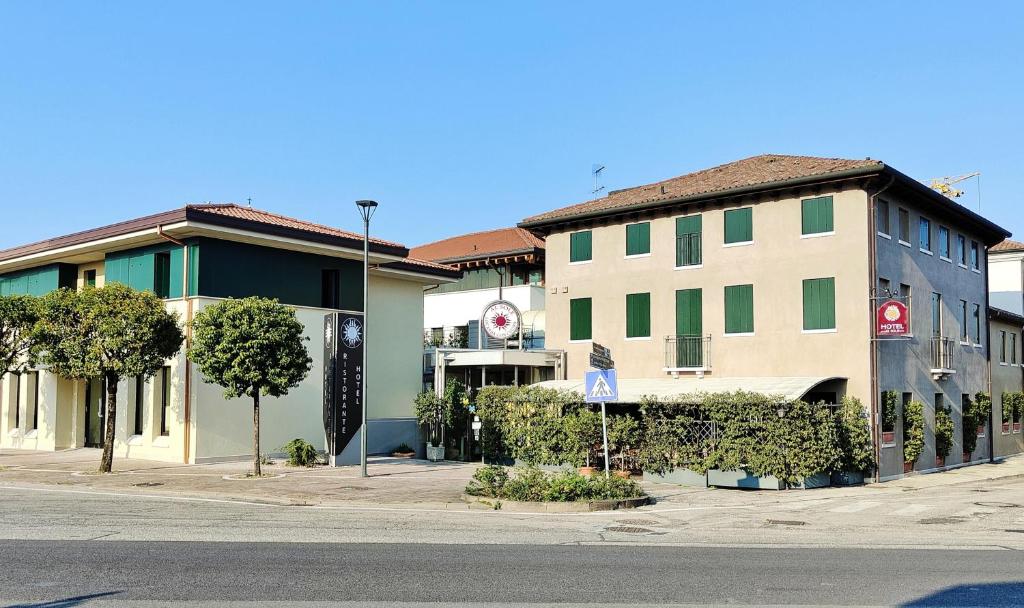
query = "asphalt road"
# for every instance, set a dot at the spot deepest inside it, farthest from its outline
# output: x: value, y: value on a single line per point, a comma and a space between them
x: 118, y: 572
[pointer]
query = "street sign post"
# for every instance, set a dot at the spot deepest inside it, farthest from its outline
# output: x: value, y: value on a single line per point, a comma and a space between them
x: 602, y: 386
x: 601, y: 357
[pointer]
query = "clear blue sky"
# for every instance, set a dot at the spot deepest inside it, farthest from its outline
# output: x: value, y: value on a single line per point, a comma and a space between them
x: 466, y: 116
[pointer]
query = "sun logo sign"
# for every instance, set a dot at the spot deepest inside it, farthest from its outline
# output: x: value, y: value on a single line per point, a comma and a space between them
x: 352, y: 333
x: 501, y: 320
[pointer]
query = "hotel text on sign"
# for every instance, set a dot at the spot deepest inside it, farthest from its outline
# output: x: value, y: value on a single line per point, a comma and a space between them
x: 892, y: 319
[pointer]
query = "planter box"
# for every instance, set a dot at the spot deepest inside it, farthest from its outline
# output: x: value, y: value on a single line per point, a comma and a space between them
x: 889, y: 437
x: 1016, y: 427
x: 745, y: 479
x: 682, y: 477
x: 435, y: 453
x: 940, y: 461
x: 847, y: 478
x: 966, y: 457
x: 981, y: 431
x: 1006, y: 427
x: 908, y: 467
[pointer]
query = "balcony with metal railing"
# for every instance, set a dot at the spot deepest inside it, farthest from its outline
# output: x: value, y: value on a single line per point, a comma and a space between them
x: 687, y: 354
x: 942, y: 357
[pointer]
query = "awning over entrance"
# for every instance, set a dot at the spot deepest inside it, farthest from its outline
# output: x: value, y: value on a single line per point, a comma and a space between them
x: 474, y: 357
x: 631, y: 390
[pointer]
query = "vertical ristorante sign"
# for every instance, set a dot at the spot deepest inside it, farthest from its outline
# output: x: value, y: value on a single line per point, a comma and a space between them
x: 343, y: 379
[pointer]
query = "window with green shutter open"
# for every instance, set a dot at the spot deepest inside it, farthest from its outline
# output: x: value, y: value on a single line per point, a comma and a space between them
x: 580, y: 319
x: 580, y: 246
x: 688, y: 241
x: 819, y: 304
x: 738, y: 226
x: 816, y: 215
x: 638, y: 315
x: 638, y: 238
x: 739, y: 309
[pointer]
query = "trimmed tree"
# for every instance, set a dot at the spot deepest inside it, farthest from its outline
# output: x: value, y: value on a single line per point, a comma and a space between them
x: 251, y: 347
x: 113, y: 332
x: 18, y: 316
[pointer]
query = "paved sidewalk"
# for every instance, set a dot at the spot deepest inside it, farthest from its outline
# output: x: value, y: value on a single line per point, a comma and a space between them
x: 393, y: 482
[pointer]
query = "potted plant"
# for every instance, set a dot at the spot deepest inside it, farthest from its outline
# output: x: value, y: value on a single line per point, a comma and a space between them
x: 429, y: 413
x: 623, y: 436
x: 890, y: 415
x: 403, y: 451
x: 854, y: 434
x: 582, y: 433
x: 943, y: 435
x: 913, y: 434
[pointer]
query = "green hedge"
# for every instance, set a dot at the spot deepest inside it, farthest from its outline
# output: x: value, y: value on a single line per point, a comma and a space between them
x: 765, y: 435
x: 530, y: 484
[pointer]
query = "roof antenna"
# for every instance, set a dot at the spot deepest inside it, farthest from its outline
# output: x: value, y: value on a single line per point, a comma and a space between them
x: 596, y: 169
x: 249, y: 200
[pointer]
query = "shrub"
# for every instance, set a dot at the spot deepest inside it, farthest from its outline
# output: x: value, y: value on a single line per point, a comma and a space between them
x: 890, y: 409
x: 301, y: 453
x: 527, y: 423
x: 582, y: 436
x: 943, y: 432
x: 623, y: 439
x: 854, y: 433
x: 428, y: 409
x: 666, y: 437
x: 913, y: 431
x: 530, y: 484
x: 403, y: 448
x: 487, y: 481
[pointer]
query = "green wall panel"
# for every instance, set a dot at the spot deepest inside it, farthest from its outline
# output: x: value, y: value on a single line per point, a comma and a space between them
x: 136, y: 268
x: 38, y: 281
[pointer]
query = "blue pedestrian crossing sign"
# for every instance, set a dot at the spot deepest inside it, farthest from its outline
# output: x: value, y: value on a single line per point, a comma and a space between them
x: 601, y: 385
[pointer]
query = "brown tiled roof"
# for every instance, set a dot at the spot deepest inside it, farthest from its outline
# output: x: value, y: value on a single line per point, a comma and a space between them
x: 1007, y: 245
x: 265, y: 217
x: 479, y: 245
x: 756, y: 170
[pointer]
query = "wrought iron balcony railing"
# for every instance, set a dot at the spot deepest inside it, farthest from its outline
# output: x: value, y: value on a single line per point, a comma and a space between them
x: 942, y: 356
x: 687, y: 353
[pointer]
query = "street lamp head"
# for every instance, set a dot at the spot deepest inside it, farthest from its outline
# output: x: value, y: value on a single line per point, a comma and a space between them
x: 366, y: 209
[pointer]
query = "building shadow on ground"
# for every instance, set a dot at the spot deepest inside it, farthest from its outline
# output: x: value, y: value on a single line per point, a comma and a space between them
x: 980, y: 594
x: 67, y: 602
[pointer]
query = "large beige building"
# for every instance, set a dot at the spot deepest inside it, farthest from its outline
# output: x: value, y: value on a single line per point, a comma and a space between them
x: 197, y: 255
x: 766, y: 272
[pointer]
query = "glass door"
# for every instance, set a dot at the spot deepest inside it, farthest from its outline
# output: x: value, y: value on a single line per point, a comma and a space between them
x: 95, y: 412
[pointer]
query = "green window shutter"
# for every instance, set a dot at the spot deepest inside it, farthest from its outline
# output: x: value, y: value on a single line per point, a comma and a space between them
x: 739, y: 225
x: 580, y: 319
x: 739, y: 309
x: 638, y: 315
x: 816, y: 215
x: 638, y: 238
x: 819, y: 303
x: 688, y: 312
x: 688, y: 240
x: 580, y: 246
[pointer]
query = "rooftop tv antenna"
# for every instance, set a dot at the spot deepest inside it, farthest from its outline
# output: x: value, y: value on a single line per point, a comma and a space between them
x: 596, y: 169
x: 249, y: 200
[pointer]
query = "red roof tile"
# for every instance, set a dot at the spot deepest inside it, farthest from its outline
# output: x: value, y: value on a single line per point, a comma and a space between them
x: 1007, y: 245
x: 479, y: 245
x: 764, y: 169
x: 266, y: 217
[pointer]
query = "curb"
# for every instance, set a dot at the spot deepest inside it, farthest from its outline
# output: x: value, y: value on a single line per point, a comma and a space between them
x: 555, y: 507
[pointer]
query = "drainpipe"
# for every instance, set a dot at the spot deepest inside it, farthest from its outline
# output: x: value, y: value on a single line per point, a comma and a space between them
x: 187, y: 410
x: 872, y: 286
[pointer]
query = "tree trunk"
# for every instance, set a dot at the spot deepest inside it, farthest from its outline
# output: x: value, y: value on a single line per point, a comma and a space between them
x: 256, y: 434
x: 106, y: 464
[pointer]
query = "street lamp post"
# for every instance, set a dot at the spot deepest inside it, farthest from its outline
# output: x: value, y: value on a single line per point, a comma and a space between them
x: 366, y: 210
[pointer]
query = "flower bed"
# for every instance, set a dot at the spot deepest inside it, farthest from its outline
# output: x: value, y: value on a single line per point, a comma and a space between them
x: 530, y: 484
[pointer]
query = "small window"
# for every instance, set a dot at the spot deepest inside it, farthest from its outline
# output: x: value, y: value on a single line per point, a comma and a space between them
x: 638, y: 238
x: 32, y: 410
x: 1002, y: 347
x: 688, y: 241
x: 638, y: 315
x: 162, y: 275
x: 936, y: 315
x: 904, y: 226
x: 961, y: 250
x: 884, y: 288
x: 580, y: 319
x: 944, y: 242
x: 816, y: 215
x: 882, y: 217
x: 90, y: 278
x: 1004, y: 405
x: 739, y: 309
x: 739, y: 226
x: 977, y: 324
x: 889, y: 417
x: 964, y: 336
x: 975, y: 256
x: 905, y: 294
x: 330, y: 288
x: 819, y: 304
x: 140, y: 396
x: 165, y: 400
x: 580, y: 246
x: 1013, y: 348
x: 436, y: 336
x: 925, y: 235
x: 17, y: 399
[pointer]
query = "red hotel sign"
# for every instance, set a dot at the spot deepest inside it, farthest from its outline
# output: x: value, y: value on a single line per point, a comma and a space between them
x: 892, y: 319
